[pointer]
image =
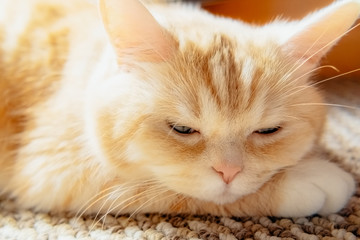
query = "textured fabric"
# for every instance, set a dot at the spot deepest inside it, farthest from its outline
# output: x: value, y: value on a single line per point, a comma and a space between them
x: 341, y: 142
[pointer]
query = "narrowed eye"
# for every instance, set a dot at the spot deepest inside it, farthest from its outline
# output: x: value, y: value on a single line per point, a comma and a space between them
x: 183, y: 129
x: 268, y: 130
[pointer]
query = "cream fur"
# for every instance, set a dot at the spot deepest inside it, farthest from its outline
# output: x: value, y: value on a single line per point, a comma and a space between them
x: 87, y: 121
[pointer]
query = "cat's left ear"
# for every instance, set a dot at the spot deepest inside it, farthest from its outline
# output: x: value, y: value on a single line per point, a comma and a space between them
x: 134, y: 32
x: 321, y: 30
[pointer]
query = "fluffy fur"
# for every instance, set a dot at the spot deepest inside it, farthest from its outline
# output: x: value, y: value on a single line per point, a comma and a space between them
x: 90, y: 102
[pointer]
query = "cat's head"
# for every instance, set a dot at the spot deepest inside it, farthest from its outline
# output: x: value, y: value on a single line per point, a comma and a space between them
x: 212, y: 108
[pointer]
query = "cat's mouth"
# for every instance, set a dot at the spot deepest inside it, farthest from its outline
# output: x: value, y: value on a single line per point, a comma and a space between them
x: 221, y: 193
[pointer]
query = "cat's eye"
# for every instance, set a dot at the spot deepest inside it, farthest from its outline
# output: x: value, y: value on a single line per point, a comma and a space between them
x: 182, y: 129
x: 268, y: 130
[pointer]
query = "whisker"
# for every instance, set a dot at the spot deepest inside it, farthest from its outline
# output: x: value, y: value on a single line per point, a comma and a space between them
x: 293, y: 117
x: 123, y: 188
x: 304, y: 86
x: 109, y: 196
x: 154, y: 182
x: 295, y: 65
x: 172, y: 129
x: 327, y: 104
x: 322, y: 48
x: 149, y: 201
x: 112, y: 207
x: 81, y: 211
x: 138, y: 196
x: 325, y: 80
x: 316, y: 69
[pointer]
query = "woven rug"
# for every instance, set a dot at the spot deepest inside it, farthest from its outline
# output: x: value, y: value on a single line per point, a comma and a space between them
x: 341, y: 142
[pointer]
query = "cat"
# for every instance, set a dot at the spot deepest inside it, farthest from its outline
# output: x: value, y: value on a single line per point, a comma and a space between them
x: 124, y: 107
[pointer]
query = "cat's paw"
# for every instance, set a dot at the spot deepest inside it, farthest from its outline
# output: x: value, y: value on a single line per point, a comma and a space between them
x: 314, y: 187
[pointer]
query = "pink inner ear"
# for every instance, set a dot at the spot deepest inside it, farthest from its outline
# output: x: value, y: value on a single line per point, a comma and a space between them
x: 134, y: 32
x: 324, y: 30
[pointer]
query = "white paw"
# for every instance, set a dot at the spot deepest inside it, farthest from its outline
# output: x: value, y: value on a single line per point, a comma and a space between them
x: 314, y: 187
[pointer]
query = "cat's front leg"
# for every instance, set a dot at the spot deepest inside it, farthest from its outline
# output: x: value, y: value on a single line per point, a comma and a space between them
x: 313, y: 186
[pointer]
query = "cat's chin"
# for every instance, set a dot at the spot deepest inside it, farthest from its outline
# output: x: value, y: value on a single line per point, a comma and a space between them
x: 225, y: 199
x: 222, y: 198
x: 218, y: 192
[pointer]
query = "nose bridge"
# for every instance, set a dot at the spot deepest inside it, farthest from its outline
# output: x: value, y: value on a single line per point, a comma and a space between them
x: 227, y: 147
x: 232, y: 152
x: 229, y: 161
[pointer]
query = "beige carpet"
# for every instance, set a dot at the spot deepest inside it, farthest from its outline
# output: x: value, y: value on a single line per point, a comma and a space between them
x: 342, y: 142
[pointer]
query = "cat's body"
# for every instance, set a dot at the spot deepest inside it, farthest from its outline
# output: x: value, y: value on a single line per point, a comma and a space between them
x: 88, y: 126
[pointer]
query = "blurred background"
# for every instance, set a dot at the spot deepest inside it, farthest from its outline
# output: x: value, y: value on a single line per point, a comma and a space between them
x: 345, y: 56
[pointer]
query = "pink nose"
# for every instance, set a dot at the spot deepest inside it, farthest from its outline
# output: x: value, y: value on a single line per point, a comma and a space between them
x: 227, y: 172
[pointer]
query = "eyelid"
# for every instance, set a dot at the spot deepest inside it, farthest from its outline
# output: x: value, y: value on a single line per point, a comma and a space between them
x: 268, y: 131
x: 174, y: 125
x: 188, y: 130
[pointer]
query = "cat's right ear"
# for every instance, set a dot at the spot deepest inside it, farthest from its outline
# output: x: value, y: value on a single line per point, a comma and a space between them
x: 134, y: 32
x: 318, y: 32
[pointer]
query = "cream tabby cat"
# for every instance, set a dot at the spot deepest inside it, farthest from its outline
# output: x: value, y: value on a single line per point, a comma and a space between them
x: 120, y: 109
